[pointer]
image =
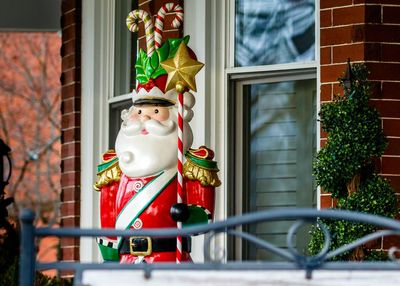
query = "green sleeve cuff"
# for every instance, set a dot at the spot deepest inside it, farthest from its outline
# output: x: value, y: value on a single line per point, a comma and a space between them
x: 108, y: 253
x: 197, y: 216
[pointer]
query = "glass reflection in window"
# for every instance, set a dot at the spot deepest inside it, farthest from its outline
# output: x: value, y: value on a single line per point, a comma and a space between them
x: 274, y: 32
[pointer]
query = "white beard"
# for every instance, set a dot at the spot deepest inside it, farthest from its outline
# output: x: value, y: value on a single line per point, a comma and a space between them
x: 145, y: 155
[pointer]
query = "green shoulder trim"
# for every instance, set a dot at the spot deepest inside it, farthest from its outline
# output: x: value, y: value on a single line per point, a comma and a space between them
x: 208, y: 164
x: 103, y: 166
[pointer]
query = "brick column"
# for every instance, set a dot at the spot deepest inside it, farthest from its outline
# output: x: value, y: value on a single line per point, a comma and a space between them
x: 365, y: 31
x: 71, y: 121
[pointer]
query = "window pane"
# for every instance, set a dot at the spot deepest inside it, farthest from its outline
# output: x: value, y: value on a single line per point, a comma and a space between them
x: 274, y: 32
x: 125, y: 49
x: 279, y: 144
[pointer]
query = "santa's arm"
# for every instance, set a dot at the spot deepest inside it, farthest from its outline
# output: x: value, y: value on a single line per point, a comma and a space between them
x: 109, y: 174
x: 200, y: 181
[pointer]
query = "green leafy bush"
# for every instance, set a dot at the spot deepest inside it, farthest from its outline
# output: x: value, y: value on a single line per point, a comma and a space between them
x: 344, y: 167
x: 355, y: 136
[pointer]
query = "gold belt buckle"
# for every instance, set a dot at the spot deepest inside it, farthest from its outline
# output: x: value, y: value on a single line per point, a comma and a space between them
x: 140, y: 253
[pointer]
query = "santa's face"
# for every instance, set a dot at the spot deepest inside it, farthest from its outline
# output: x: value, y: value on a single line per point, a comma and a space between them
x: 147, y: 141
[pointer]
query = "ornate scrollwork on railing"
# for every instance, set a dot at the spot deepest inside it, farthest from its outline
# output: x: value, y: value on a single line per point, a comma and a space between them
x: 216, y: 258
x: 306, y: 217
x: 219, y: 254
x: 303, y: 261
x: 393, y: 254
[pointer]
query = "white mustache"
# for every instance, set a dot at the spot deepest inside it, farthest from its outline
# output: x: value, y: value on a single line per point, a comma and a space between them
x: 152, y: 126
x: 131, y: 128
x: 157, y: 128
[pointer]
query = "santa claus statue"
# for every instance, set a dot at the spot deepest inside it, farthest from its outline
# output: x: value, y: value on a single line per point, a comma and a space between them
x: 139, y: 181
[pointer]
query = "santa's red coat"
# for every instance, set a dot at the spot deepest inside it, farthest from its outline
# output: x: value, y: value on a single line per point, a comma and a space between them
x: 115, y: 196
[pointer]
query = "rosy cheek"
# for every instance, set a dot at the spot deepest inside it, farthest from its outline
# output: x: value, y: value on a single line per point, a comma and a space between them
x: 162, y: 115
x: 134, y: 117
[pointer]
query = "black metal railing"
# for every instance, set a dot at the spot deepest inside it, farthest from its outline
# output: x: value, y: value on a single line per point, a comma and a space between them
x: 292, y: 257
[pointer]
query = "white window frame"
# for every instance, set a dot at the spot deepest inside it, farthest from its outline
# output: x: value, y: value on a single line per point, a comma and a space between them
x: 97, y: 85
x: 220, y: 69
x: 263, y: 72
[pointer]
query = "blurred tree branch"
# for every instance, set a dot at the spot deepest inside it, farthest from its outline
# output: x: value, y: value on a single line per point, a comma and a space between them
x: 30, y: 118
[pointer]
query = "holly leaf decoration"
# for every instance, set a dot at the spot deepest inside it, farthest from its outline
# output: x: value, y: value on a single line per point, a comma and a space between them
x: 141, y: 67
x: 167, y: 51
x: 163, y: 51
x: 154, y: 61
x: 162, y: 54
x: 159, y: 71
x: 150, y: 68
x: 174, y: 44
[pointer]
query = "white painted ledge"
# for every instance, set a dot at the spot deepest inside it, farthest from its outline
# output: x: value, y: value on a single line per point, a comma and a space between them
x: 240, y: 278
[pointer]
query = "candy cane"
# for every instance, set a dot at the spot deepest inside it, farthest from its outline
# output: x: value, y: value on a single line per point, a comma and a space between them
x: 180, y: 171
x: 159, y: 25
x: 132, y: 23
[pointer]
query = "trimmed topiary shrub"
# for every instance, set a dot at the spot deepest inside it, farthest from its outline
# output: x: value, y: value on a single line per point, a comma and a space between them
x: 345, y: 165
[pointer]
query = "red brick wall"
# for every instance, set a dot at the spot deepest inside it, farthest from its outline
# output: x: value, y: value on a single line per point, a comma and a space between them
x: 70, y: 123
x: 365, y: 31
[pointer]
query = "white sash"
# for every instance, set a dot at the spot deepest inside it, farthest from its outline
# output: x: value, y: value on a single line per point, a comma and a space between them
x: 139, y: 202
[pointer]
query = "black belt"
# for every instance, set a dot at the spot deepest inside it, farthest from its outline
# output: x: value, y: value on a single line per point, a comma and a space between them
x: 144, y: 246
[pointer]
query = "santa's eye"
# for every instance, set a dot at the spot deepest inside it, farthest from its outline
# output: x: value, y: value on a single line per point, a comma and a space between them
x: 139, y: 111
x: 156, y: 111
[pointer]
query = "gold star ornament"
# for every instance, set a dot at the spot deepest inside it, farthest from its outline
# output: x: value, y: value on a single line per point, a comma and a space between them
x: 181, y: 70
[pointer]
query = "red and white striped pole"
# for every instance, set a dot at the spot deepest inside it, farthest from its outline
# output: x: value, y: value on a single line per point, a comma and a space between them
x: 180, y: 89
x: 181, y: 71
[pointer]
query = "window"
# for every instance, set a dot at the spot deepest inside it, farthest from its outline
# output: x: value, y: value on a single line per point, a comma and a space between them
x: 124, y: 66
x: 272, y: 103
x: 274, y: 32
